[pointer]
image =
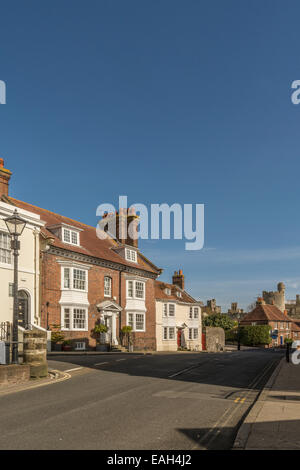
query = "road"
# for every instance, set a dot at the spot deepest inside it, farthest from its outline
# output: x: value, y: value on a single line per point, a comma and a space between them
x: 162, y: 401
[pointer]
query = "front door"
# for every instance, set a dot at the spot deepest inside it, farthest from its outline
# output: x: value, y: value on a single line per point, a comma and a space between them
x: 23, y: 308
x: 179, y: 338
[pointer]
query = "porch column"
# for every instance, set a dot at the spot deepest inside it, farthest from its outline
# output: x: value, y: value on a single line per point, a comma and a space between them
x: 114, y: 329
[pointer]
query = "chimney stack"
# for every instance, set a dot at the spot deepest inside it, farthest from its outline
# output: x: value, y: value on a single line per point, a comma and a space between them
x: 4, y: 179
x: 178, y: 279
x: 260, y: 301
x: 125, y: 218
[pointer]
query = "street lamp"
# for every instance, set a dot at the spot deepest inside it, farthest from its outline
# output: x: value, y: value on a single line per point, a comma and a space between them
x: 239, y: 331
x: 15, y: 225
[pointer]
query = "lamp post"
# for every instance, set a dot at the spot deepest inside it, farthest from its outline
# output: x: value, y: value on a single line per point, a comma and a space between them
x: 15, y: 225
x: 239, y: 332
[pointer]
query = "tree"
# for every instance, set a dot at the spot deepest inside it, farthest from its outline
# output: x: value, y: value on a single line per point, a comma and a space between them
x: 220, y: 320
x: 255, y: 335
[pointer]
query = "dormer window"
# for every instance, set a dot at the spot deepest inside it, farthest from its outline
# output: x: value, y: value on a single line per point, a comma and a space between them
x: 168, y: 291
x: 70, y: 236
x: 179, y: 294
x: 130, y: 255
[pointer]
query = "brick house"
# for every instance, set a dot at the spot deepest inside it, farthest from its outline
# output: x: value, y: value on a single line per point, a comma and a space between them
x: 178, y: 316
x: 85, y: 280
x: 265, y: 314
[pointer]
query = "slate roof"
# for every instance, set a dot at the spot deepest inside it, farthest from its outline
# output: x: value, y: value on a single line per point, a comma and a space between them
x: 90, y: 244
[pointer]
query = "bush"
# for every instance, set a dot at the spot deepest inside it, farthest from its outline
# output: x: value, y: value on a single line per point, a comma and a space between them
x: 220, y: 320
x: 231, y: 335
x: 255, y: 335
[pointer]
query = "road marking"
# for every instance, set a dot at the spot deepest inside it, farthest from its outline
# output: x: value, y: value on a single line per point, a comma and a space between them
x: 118, y: 360
x: 220, y: 423
x: 243, y: 399
x: 184, y: 370
x: 75, y: 368
x: 100, y: 363
x: 237, y: 399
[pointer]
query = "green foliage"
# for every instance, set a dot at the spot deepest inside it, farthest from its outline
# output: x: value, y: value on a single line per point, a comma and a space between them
x: 57, y: 337
x: 67, y: 342
x: 219, y: 320
x: 255, y: 335
x: 288, y: 341
x: 100, y: 328
x: 126, y: 329
x: 231, y: 335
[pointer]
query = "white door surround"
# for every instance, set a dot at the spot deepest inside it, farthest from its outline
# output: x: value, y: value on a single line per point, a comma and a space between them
x: 109, y: 311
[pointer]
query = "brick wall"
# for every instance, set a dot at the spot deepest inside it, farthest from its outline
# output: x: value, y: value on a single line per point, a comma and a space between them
x: 51, y: 292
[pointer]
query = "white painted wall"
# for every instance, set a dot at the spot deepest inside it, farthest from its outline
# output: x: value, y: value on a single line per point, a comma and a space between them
x: 181, y: 317
x: 28, y: 265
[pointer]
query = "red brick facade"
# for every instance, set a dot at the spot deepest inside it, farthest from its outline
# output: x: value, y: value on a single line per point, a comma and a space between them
x: 51, y: 293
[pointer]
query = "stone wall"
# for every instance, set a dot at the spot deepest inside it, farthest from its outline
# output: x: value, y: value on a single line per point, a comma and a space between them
x: 214, y: 339
x: 14, y: 374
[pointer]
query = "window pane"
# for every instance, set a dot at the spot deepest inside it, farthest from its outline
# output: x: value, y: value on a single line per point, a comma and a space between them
x: 165, y: 310
x: 139, y: 290
x: 191, y: 312
x: 130, y: 288
x: 171, y: 333
x: 190, y: 333
x: 79, y: 318
x: 195, y: 333
x: 67, y: 318
x: 165, y: 332
x: 67, y: 236
x: 130, y: 321
x: 79, y: 279
x: 107, y: 286
x: 196, y: 312
x: 75, y: 238
x: 67, y: 278
x: 139, y: 321
x: 171, y: 310
x: 5, y: 251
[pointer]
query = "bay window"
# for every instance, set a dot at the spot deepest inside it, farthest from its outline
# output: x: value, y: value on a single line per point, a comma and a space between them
x: 74, y: 278
x: 136, y: 290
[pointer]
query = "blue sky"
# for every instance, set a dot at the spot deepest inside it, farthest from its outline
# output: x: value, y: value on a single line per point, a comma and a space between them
x: 171, y: 101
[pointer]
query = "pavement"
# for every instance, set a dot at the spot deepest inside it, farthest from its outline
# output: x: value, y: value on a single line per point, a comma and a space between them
x: 131, y: 401
x: 274, y: 421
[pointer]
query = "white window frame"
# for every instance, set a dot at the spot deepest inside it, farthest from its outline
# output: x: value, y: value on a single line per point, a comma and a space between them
x: 71, y: 309
x: 134, y: 321
x: 130, y: 255
x: 195, y: 336
x: 134, y: 290
x: 107, y: 288
x: 166, y: 310
x: 5, y: 247
x: 191, y: 313
x: 71, y: 233
x: 166, y: 329
x: 72, y: 279
x: 196, y: 315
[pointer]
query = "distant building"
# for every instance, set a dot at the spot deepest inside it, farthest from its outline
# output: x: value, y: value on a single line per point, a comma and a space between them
x: 211, y: 308
x: 234, y: 312
x: 263, y: 314
x: 293, y: 307
x: 277, y: 297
